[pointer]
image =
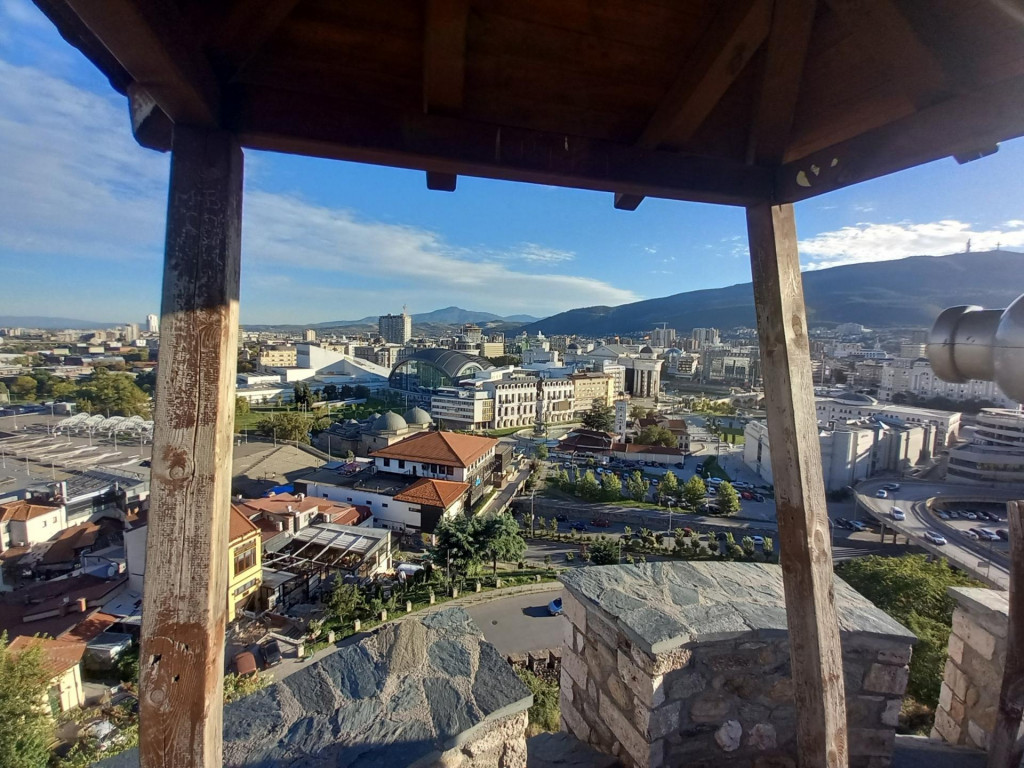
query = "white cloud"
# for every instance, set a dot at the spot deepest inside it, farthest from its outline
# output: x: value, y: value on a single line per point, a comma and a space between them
x: 883, y: 242
x: 74, y: 183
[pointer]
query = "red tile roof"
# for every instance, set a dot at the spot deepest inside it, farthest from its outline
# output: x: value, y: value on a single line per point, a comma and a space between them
x: 279, y: 503
x: 58, y: 655
x: 89, y: 628
x: 450, y: 449
x: 639, y: 448
x: 69, y: 541
x: 24, y: 510
x: 240, y: 525
x: 433, y: 493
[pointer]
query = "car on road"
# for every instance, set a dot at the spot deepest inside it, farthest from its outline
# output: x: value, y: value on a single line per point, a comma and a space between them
x: 271, y: 654
x: 935, y: 538
x: 579, y: 527
x: 942, y: 515
x: 841, y: 522
x: 857, y: 525
x: 891, y: 486
x: 881, y: 494
x: 898, y: 514
x: 555, y: 607
x: 562, y: 517
x: 600, y: 522
x: 699, y: 468
x: 971, y: 535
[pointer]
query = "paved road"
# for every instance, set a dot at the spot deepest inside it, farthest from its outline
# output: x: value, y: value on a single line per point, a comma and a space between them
x: 986, y: 561
x: 519, y: 624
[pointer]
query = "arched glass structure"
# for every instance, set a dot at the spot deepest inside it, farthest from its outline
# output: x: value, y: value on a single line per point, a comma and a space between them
x: 429, y: 369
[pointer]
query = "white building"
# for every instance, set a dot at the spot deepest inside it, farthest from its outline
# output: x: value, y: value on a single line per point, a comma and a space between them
x: 995, y: 453
x: 556, y: 400
x: 152, y: 324
x: 395, y: 329
x: 917, y: 377
x: 515, y: 400
x: 463, y: 407
x: 850, y: 406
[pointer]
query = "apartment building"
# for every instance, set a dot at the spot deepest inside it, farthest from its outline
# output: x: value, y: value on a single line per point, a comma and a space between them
x: 995, y: 452
x: 395, y: 329
x: 917, y: 377
x: 277, y: 357
x: 592, y: 387
x: 462, y: 408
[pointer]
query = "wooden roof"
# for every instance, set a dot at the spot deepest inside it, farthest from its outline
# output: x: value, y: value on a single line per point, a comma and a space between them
x: 734, y: 102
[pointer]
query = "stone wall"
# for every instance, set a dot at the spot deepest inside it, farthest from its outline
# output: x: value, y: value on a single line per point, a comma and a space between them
x: 969, y: 699
x: 688, y: 664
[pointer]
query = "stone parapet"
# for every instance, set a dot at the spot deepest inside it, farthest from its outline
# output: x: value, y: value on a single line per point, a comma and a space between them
x: 969, y: 698
x: 688, y: 664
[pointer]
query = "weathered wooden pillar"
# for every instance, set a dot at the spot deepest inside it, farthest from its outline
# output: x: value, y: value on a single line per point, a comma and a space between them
x: 184, y: 606
x: 806, y: 551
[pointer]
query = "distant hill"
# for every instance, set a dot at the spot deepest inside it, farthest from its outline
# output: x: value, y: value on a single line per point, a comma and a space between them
x: 446, y: 316
x: 882, y: 294
x: 52, y: 323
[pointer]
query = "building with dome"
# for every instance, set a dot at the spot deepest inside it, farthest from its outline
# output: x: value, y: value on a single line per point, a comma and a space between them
x: 427, y: 370
x: 378, y: 431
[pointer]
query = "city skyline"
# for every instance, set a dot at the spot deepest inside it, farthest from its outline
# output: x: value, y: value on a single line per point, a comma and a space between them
x: 323, y: 241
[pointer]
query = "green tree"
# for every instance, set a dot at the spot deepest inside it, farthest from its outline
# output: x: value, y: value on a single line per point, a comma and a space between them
x: 24, y: 388
x: 457, y: 546
x: 611, y: 487
x: 637, y: 411
x: 303, y: 395
x: 600, y: 417
x: 499, y: 539
x: 768, y: 548
x: 28, y: 729
x: 241, y: 406
x: 330, y: 392
x: 669, y: 484
x: 60, y: 389
x: 114, y: 394
x: 285, y: 426
x: 361, y: 392
x: 588, y: 487
x: 4, y: 392
x: 913, y: 590
x: 749, y: 548
x: 655, y: 435
x: 603, y: 552
x: 344, y: 601
x: 542, y: 452
x: 694, y: 491
x: 728, y: 499
x: 636, y: 486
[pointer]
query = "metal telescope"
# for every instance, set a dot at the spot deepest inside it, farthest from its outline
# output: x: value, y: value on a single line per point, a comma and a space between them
x: 969, y: 342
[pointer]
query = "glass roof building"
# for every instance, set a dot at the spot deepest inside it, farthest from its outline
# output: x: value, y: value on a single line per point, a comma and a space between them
x: 428, y: 369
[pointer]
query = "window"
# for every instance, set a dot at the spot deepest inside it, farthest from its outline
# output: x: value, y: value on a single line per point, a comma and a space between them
x: 245, y: 557
x: 245, y: 587
x: 387, y: 462
x: 401, y: 463
x: 384, y: 505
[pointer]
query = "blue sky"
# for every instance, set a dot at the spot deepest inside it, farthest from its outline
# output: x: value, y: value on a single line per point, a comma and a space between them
x: 82, y: 214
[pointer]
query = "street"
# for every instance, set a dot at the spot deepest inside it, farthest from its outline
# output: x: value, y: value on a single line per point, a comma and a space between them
x: 521, y: 623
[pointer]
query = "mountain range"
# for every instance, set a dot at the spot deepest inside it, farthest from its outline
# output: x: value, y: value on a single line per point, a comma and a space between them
x: 446, y: 316
x: 906, y: 292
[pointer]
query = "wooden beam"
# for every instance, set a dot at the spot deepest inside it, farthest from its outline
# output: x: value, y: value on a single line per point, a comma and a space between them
x: 735, y: 35
x: 442, y: 182
x: 786, y: 52
x: 1005, y: 746
x: 966, y: 125
x: 150, y: 126
x: 444, y: 56
x: 266, y: 120
x: 816, y: 659
x: 880, y: 27
x: 185, y: 596
x: 152, y: 42
x: 247, y: 28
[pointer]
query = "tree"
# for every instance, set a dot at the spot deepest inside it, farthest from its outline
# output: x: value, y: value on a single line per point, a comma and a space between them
x: 912, y: 590
x: 694, y: 491
x: 330, y: 392
x: 24, y: 388
x: 637, y: 411
x: 27, y: 730
x: 114, y: 394
x: 728, y: 499
x: 361, y: 392
x: 241, y: 406
x: 655, y: 435
x: 457, y: 549
x: 344, y: 601
x: 542, y: 452
x: 611, y: 487
x: 749, y: 548
x: 285, y: 426
x: 4, y: 392
x: 588, y: 487
x: 768, y: 548
x: 500, y: 361
x: 669, y: 484
x: 603, y: 552
x: 600, y: 417
x: 303, y: 395
x: 636, y: 486
x: 499, y: 539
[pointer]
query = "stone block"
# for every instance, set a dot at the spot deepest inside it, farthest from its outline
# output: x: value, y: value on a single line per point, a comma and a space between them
x: 711, y: 707
x: 956, y: 648
x: 955, y: 679
x: 957, y: 710
x: 981, y: 640
x: 891, y: 713
x: 864, y: 710
x: 751, y: 713
x: 945, y: 696
x: 658, y: 723
x: 650, y: 689
x: 602, y: 628
x: 573, y: 665
x: 762, y: 737
x: 945, y: 729
x: 618, y: 691
x: 976, y: 735
x: 620, y: 725
x: 684, y: 684
x: 883, y: 678
x: 871, y: 741
x: 573, y: 722
x: 781, y: 689
x: 663, y: 663
x: 575, y: 611
x: 897, y: 656
x: 729, y: 735
x: 568, y: 636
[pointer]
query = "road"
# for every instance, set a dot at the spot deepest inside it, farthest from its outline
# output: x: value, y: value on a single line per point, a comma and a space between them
x: 520, y: 624
x: 987, y: 561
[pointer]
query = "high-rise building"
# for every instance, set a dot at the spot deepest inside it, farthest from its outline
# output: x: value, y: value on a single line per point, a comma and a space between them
x: 472, y: 332
x: 395, y: 329
x: 706, y: 337
x: 663, y: 337
x: 152, y: 324
x: 309, y: 335
x: 131, y: 332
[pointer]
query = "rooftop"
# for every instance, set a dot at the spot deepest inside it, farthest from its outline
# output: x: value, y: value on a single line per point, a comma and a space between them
x: 433, y: 493
x: 58, y: 655
x: 23, y: 511
x: 447, y: 448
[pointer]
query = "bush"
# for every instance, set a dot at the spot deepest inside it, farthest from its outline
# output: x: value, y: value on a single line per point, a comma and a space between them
x: 544, y: 714
x: 236, y: 687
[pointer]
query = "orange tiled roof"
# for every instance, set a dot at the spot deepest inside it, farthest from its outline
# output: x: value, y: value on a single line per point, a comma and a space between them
x: 240, y: 525
x: 24, y: 510
x: 448, y: 448
x: 278, y: 504
x: 89, y: 628
x: 58, y: 655
x: 433, y: 493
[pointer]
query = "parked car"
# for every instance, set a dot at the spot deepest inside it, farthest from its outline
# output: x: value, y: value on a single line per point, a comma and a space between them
x: 969, y: 515
x: 555, y: 607
x: 741, y: 485
x: 561, y: 518
x: 758, y: 541
x: 245, y: 664
x: 600, y: 523
x: 715, y: 480
x: 699, y: 468
x: 721, y: 535
x: 988, y: 535
x: 579, y: 527
x: 680, y: 465
x: 271, y: 653
x: 857, y: 525
x: 747, y: 495
x: 898, y: 514
x: 953, y: 514
x: 710, y: 509
x: 841, y: 522
x: 942, y: 515
x: 758, y: 497
x: 935, y: 538
x: 971, y: 535
x: 1003, y: 534
x: 881, y: 494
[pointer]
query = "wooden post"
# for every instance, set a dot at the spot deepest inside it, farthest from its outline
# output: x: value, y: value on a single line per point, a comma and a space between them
x: 185, y: 597
x: 806, y: 551
x: 1005, y: 746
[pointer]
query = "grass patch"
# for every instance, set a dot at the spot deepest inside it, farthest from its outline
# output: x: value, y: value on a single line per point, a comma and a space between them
x: 544, y: 713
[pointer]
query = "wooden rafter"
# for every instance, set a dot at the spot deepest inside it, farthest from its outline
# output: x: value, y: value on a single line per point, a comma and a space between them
x: 249, y: 25
x: 264, y: 120
x: 881, y: 28
x: 735, y: 35
x: 444, y: 68
x: 969, y: 124
x: 150, y: 39
x: 786, y: 53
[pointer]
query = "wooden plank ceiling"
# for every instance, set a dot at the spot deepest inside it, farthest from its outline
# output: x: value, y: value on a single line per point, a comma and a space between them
x: 732, y: 102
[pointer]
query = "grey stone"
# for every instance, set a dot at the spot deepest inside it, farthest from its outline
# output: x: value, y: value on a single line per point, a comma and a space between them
x: 762, y: 736
x: 449, y: 710
x: 451, y: 657
x: 728, y: 736
x: 495, y: 685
